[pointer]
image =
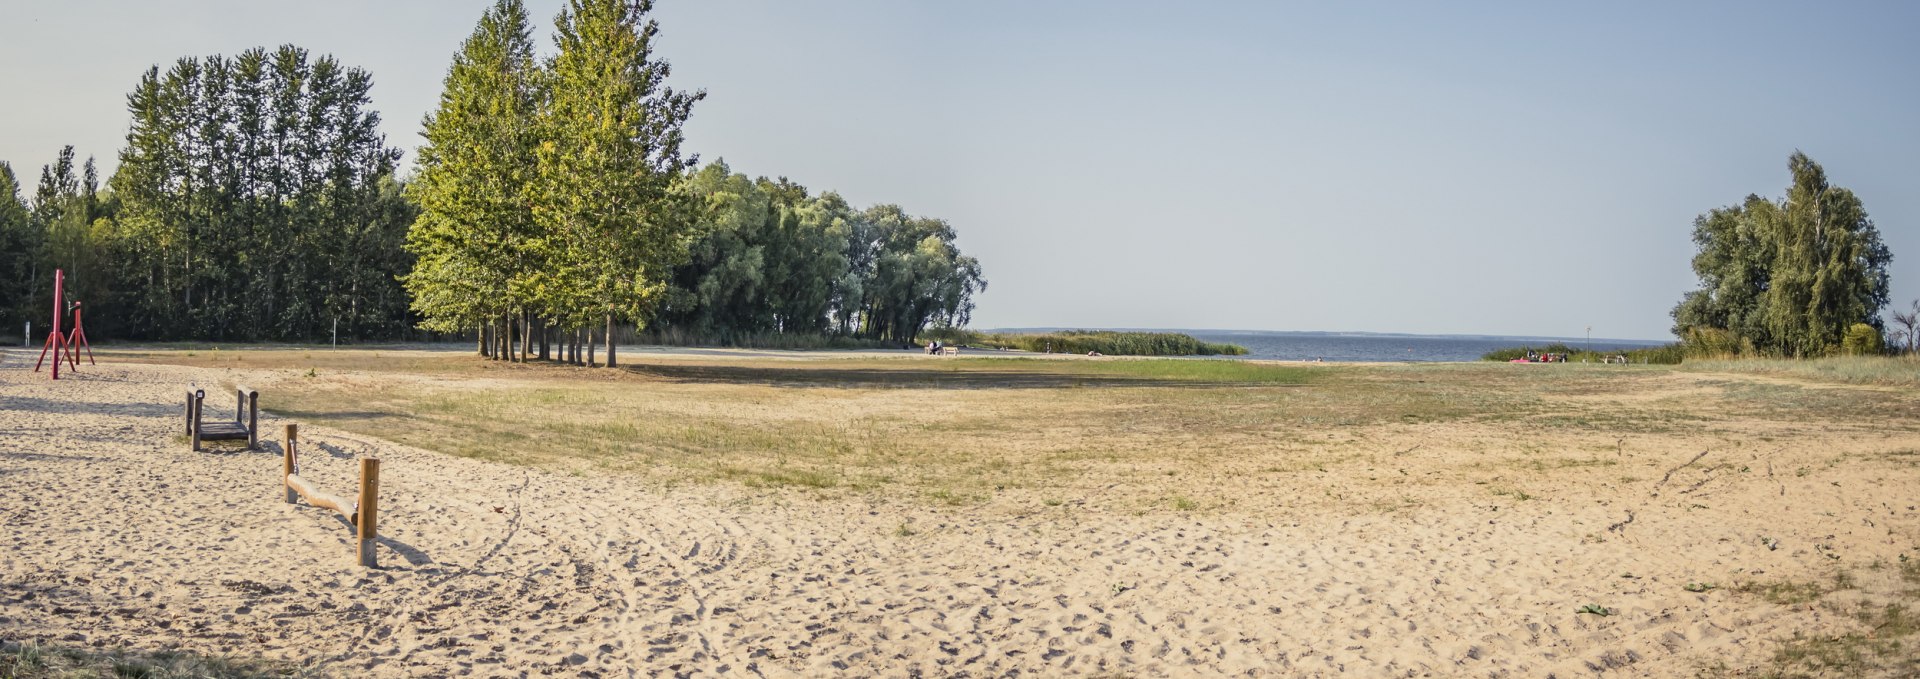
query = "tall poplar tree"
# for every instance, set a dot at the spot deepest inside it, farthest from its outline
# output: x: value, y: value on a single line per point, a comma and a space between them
x: 613, y: 226
x: 476, y: 234
x: 257, y: 201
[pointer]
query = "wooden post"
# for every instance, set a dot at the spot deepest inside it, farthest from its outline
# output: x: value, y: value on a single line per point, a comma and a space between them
x: 369, y: 510
x: 287, y: 457
x: 253, y: 420
x: 198, y: 400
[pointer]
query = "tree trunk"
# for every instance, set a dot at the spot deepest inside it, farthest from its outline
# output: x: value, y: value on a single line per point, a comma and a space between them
x: 591, y: 339
x: 526, y: 334
x: 546, y: 334
x: 480, y: 338
x: 612, y: 361
x: 502, y: 337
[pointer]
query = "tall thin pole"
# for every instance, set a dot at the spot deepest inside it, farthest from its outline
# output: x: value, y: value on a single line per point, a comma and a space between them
x: 368, y: 521
x: 289, y: 461
x: 59, y: 288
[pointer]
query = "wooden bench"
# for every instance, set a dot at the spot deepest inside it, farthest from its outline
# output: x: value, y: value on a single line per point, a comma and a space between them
x: 949, y: 351
x: 245, y: 425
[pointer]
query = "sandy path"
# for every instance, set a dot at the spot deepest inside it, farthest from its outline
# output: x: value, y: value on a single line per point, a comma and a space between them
x: 118, y: 536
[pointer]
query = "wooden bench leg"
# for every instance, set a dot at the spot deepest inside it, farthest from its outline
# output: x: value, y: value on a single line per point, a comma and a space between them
x: 253, y: 420
x: 193, y: 423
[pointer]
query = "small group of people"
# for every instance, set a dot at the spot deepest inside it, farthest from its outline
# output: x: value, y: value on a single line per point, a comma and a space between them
x: 934, y: 347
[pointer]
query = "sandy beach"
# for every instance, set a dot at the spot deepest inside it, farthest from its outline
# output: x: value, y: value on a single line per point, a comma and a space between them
x: 1392, y: 562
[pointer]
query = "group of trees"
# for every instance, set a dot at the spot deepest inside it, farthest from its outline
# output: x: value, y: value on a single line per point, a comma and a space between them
x: 55, y: 227
x: 555, y: 201
x: 767, y: 257
x: 1802, y: 276
x: 255, y: 199
x: 547, y: 189
x: 258, y: 201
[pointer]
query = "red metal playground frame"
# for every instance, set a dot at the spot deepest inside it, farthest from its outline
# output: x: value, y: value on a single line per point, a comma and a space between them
x: 65, y: 347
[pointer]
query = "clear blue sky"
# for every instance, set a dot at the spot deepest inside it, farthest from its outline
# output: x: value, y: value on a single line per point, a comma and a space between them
x: 1410, y: 167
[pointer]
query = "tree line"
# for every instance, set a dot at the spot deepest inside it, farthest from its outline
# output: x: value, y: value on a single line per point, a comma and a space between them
x: 255, y: 200
x: 551, y: 203
x: 1801, y: 276
x: 769, y: 258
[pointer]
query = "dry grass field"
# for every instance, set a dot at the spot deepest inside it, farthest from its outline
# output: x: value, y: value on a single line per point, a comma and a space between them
x: 1417, y: 520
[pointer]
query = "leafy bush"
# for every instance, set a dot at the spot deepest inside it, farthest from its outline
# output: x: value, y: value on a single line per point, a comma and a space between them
x: 1670, y: 354
x: 1862, y: 340
x: 1715, y: 343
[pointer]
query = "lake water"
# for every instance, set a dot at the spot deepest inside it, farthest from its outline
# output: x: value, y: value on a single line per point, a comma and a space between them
x: 1307, y: 346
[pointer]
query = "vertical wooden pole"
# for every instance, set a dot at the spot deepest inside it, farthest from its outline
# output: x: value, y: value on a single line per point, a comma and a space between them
x: 286, y: 461
x: 199, y: 400
x: 253, y: 420
x: 369, y: 509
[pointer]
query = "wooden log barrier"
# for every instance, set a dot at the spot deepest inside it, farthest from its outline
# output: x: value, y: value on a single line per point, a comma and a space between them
x: 363, y: 513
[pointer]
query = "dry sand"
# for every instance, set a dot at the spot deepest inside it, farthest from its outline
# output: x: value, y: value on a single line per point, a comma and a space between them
x: 117, y: 536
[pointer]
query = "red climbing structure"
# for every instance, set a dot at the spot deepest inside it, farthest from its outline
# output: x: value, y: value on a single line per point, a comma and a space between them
x: 62, y: 345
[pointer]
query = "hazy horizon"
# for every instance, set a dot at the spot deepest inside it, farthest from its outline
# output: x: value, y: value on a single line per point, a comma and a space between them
x: 1413, y: 168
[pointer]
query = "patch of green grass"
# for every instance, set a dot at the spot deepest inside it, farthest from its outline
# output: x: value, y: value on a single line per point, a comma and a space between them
x: 1785, y: 593
x: 1900, y: 371
x: 1515, y: 493
x: 1883, y: 649
x: 954, y: 498
x: 32, y: 661
x: 1185, y: 370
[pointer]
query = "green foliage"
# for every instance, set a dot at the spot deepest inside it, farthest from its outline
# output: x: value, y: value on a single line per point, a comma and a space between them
x: 767, y: 257
x: 1670, y: 354
x: 1862, y: 340
x: 1107, y: 342
x: 475, y: 237
x: 1786, y: 278
x: 256, y: 201
x: 611, y: 227
x: 20, y: 254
